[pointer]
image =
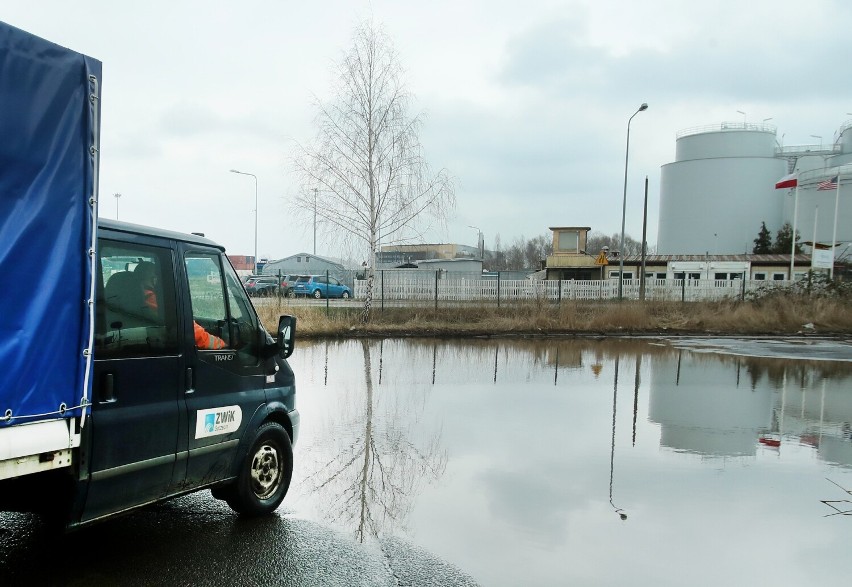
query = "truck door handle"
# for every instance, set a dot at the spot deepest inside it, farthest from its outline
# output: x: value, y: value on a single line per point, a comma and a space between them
x: 189, y: 383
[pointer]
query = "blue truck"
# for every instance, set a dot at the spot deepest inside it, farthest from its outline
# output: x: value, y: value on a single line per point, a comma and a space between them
x: 134, y: 367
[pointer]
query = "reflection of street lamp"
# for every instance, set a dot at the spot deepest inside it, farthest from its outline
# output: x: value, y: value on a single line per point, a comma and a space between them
x: 644, y: 106
x: 617, y: 509
x: 117, y: 196
x: 255, y: 213
x: 479, y: 243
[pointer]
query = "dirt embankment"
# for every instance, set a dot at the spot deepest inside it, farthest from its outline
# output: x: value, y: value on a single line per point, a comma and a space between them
x: 783, y: 316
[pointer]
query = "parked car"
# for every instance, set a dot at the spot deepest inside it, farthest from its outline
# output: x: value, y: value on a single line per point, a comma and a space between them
x: 320, y: 286
x: 262, y: 286
x: 288, y: 282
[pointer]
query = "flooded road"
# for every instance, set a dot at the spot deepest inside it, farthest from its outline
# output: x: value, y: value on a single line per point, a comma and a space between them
x: 518, y: 462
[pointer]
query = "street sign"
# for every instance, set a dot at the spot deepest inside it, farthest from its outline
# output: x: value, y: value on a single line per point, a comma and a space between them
x: 601, y: 260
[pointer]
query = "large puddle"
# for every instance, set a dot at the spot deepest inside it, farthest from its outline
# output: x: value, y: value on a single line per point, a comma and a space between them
x: 586, y: 462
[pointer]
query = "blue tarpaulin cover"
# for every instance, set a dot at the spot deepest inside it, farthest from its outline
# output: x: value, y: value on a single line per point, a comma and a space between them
x: 48, y: 128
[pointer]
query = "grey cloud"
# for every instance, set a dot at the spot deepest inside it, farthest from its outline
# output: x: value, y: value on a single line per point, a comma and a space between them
x: 550, y: 57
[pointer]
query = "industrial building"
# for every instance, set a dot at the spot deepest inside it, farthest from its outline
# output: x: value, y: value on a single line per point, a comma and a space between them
x: 722, y: 186
x: 304, y: 264
x: 570, y: 260
x: 390, y: 256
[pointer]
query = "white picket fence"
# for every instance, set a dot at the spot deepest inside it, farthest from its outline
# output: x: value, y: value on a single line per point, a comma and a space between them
x: 465, y: 289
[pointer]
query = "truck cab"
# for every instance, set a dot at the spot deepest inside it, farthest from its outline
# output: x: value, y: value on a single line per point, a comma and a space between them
x: 189, y: 391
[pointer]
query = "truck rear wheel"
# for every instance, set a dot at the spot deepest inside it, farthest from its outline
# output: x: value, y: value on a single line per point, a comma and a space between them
x: 265, y: 474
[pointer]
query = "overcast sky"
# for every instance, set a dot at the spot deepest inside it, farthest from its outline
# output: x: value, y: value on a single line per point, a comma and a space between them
x: 526, y: 103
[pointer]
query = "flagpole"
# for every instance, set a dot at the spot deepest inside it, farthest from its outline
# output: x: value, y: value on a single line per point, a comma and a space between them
x: 834, y: 233
x: 813, y: 243
x: 795, y: 218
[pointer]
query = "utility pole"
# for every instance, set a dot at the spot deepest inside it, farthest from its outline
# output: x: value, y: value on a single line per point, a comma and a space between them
x: 315, y: 221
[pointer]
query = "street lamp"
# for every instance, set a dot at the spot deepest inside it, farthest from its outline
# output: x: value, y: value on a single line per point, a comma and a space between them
x: 315, y: 221
x: 117, y: 196
x: 744, y: 117
x: 820, y: 139
x: 644, y: 106
x: 255, y: 213
x: 478, y: 240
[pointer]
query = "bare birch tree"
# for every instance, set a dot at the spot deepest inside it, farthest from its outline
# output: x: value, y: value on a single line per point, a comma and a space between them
x: 365, y: 176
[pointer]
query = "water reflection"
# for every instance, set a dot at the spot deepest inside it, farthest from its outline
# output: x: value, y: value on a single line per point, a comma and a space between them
x: 379, y: 460
x: 618, y: 510
x: 704, y: 406
x: 487, y: 451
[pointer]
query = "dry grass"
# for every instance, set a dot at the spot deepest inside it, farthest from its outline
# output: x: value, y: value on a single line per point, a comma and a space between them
x: 781, y: 315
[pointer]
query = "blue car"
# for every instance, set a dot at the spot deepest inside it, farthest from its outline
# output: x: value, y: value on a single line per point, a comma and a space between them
x: 320, y: 286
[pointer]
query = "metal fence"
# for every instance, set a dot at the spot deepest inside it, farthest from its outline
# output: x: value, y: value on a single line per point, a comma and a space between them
x: 440, y: 287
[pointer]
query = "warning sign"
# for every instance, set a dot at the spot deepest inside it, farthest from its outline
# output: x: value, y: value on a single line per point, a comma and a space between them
x: 601, y: 260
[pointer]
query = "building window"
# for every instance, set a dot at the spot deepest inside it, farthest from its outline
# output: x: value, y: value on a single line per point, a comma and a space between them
x: 307, y: 259
x: 760, y: 276
x: 298, y: 259
x: 568, y: 240
x: 721, y: 277
x: 779, y: 276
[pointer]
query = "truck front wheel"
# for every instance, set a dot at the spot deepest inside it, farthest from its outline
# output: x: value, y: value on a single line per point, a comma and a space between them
x: 265, y: 473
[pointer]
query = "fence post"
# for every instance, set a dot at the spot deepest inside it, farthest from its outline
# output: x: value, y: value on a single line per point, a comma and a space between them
x: 382, y: 276
x: 744, y: 275
x: 683, y: 288
x: 559, y: 293
x: 498, y: 289
x: 436, y: 289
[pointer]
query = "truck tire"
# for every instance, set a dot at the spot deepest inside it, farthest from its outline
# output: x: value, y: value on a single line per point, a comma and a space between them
x: 264, y: 475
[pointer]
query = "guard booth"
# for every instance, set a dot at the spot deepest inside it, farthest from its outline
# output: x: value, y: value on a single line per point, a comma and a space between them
x: 570, y: 260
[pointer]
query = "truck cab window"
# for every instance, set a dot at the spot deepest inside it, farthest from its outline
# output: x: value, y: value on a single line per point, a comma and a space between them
x: 222, y: 315
x: 135, y: 309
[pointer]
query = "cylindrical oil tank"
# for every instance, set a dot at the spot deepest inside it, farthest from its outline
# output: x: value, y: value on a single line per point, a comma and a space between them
x: 720, y: 189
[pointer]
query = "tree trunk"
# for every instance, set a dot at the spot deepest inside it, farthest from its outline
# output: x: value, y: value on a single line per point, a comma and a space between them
x: 368, y: 301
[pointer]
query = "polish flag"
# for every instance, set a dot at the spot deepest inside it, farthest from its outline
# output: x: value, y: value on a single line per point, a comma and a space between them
x: 788, y: 181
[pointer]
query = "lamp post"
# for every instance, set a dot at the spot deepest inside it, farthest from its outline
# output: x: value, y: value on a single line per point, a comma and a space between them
x: 117, y: 196
x: 744, y: 117
x: 255, y: 213
x: 478, y: 240
x: 315, y: 221
x: 820, y: 140
x: 644, y: 106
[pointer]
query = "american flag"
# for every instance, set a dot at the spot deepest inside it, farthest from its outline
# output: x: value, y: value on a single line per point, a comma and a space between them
x: 828, y: 184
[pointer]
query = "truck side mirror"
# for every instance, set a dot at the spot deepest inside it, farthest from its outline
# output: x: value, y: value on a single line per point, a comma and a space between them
x: 286, y: 335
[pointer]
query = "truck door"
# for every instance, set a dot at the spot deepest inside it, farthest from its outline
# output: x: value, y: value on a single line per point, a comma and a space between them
x: 137, y: 377
x: 224, y: 373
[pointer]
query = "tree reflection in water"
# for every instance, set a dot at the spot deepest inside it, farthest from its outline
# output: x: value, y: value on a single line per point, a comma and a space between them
x: 380, y: 461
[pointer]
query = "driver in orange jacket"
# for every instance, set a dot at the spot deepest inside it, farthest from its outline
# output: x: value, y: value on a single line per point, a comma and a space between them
x: 206, y: 341
x: 148, y: 278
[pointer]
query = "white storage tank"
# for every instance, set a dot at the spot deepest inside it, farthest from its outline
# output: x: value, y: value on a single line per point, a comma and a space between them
x: 714, y: 197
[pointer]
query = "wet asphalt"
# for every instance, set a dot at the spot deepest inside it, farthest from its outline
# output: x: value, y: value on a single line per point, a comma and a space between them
x: 196, y: 540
